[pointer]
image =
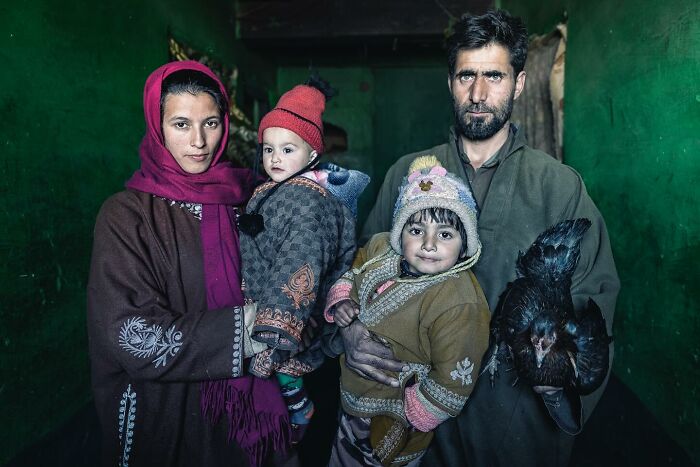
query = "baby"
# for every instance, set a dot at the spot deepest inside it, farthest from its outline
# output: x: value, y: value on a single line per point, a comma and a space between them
x: 298, y: 237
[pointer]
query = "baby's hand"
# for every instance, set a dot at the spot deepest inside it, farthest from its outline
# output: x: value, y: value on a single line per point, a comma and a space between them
x: 345, y: 312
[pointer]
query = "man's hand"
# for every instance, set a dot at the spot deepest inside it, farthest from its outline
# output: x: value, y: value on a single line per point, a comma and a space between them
x: 368, y: 357
x: 345, y: 312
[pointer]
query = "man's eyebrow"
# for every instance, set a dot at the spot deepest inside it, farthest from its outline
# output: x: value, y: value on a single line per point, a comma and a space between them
x: 487, y: 73
x: 467, y: 72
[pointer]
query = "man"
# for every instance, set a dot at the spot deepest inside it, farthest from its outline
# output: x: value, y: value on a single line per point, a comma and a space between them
x: 520, y: 193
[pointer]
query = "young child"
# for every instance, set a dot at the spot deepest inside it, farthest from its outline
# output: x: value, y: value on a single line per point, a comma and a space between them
x: 415, y: 294
x: 301, y: 241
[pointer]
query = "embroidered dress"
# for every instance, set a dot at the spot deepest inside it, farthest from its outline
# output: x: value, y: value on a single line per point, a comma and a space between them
x: 438, y: 325
x: 164, y: 309
x: 307, y: 244
x: 152, y: 339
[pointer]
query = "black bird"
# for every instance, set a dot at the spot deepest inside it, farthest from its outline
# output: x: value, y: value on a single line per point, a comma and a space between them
x: 535, y: 325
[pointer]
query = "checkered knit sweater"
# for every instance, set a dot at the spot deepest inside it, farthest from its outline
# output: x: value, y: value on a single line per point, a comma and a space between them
x: 307, y: 244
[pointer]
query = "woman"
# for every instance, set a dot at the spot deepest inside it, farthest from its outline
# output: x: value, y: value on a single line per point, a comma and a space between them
x: 164, y: 316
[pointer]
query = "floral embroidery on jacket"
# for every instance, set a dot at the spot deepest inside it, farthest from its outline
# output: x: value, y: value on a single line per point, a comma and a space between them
x: 463, y: 371
x: 261, y: 365
x: 144, y: 341
x: 300, y: 287
x: 127, y: 417
x: 294, y: 367
x: 278, y: 321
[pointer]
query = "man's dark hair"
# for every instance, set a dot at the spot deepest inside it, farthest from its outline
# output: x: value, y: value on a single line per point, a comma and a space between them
x: 193, y: 82
x: 442, y: 216
x: 494, y: 27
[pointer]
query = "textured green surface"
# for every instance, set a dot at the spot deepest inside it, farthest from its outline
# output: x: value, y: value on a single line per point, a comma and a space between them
x: 387, y: 111
x: 70, y: 93
x: 632, y: 129
x: 540, y: 17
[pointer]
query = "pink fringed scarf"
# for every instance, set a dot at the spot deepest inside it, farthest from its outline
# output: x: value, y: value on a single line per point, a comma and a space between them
x: 257, y: 416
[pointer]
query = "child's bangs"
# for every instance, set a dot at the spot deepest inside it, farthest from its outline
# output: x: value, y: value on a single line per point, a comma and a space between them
x: 439, y: 215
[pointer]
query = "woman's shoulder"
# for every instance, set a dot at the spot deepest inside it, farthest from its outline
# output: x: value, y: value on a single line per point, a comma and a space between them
x: 123, y: 203
x: 126, y: 209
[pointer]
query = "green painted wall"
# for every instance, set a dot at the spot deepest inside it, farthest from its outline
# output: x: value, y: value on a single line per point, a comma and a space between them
x: 633, y: 74
x: 70, y: 94
x: 387, y: 110
x: 632, y: 129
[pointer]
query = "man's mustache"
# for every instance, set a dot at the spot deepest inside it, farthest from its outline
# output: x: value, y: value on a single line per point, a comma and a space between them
x: 478, y: 108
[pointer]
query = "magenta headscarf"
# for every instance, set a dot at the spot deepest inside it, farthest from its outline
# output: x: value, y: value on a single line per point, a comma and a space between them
x: 257, y: 415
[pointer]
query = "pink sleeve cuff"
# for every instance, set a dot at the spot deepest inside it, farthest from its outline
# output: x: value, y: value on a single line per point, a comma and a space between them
x: 339, y: 292
x: 417, y: 413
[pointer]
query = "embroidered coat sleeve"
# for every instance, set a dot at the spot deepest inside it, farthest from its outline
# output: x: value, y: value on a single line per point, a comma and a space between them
x: 140, y: 316
x: 458, y: 339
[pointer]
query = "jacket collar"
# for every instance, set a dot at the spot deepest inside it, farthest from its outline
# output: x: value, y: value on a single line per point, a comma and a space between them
x: 515, y: 141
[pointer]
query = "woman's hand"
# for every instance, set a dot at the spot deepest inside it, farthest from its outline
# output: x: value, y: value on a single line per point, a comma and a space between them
x: 367, y: 356
x: 345, y: 312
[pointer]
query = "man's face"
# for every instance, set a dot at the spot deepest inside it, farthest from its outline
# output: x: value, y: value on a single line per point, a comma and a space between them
x: 483, y: 90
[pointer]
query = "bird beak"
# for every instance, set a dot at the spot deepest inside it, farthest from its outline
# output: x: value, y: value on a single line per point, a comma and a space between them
x: 540, y: 357
x: 539, y: 354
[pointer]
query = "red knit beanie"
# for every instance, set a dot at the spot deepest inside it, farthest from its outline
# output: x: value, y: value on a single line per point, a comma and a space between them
x: 298, y: 110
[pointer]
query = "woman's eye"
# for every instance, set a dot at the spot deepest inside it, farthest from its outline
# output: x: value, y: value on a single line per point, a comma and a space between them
x: 180, y: 125
x: 212, y: 124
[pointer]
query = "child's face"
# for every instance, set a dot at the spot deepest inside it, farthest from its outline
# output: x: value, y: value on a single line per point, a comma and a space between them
x: 284, y: 153
x: 430, y: 247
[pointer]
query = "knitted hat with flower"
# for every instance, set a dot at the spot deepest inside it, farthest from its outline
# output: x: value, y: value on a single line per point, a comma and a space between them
x: 300, y: 110
x: 429, y: 185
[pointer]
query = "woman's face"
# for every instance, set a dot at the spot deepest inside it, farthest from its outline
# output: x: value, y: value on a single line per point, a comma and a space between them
x: 192, y: 130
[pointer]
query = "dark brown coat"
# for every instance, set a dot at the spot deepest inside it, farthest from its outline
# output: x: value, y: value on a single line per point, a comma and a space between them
x: 152, y: 339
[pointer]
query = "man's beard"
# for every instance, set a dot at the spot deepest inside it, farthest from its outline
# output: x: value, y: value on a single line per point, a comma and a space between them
x: 481, y: 128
